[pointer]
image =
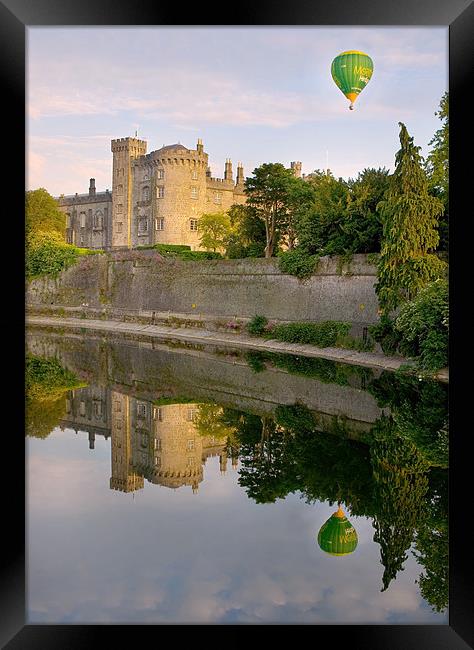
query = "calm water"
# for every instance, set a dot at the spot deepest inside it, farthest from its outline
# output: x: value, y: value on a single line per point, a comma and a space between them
x: 171, y: 484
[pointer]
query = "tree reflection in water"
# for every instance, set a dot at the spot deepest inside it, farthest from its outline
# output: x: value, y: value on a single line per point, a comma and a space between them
x: 395, y: 473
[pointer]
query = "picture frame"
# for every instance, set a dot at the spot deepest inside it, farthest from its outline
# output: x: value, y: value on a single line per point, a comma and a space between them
x: 457, y: 15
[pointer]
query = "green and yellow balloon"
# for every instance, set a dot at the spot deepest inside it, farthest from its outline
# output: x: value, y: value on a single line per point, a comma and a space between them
x: 337, y: 536
x: 351, y: 72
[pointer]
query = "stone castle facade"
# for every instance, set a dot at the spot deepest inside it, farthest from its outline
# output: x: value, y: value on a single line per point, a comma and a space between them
x: 156, y: 198
x: 158, y: 443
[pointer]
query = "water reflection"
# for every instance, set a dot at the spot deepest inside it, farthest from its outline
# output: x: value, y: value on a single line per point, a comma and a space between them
x: 387, y: 463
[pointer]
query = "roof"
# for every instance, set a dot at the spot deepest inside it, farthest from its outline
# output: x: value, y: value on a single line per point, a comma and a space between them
x: 178, y: 146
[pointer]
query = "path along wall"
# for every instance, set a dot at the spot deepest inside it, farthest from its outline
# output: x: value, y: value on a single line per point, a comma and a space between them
x: 143, y: 281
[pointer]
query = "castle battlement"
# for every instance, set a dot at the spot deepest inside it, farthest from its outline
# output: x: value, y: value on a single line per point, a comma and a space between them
x: 219, y: 183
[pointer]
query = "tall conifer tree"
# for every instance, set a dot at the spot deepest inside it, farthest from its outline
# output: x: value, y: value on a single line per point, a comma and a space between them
x: 410, y: 219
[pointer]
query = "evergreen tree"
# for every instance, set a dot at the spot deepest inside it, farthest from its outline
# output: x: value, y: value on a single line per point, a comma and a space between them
x: 437, y: 168
x: 409, y: 215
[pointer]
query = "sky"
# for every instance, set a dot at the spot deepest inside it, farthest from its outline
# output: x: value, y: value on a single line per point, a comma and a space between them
x: 252, y: 94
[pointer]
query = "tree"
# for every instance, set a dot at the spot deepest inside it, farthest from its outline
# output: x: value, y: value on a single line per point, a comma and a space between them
x: 215, y: 229
x: 267, y: 192
x: 409, y: 215
x: 400, y: 487
x: 363, y: 225
x: 319, y: 228
x: 43, y: 214
x: 247, y: 238
x: 437, y: 168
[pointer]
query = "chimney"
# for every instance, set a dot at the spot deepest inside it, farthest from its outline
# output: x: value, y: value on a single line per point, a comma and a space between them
x: 228, y: 170
x: 240, y: 174
x: 200, y: 146
x: 92, y: 187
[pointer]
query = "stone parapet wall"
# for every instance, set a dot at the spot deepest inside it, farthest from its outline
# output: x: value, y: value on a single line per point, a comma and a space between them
x: 134, y: 281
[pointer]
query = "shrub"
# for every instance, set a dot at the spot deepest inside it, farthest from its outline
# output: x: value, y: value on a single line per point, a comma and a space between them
x: 423, y: 325
x: 257, y: 325
x: 324, y: 334
x: 384, y: 333
x: 48, y: 254
x: 299, y: 263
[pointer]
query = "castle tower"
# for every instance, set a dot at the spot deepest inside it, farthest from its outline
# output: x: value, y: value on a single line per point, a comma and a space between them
x: 123, y: 477
x: 228, y: 170
x: 296, y: 167
x: 124, y: 150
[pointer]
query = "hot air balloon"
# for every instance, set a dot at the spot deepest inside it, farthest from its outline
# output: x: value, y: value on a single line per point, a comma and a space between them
x: 351, y: 72
x: 337, y: 536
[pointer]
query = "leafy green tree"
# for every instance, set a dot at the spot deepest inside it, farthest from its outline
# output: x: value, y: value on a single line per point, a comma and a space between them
x: 247, y: 237
x: 320, y: 227
x: 437, y: 168
x: 43, y: 214
x: 267, y: 192
x: 409, y: 213
x: 215, y: 229
x: 363, y: 225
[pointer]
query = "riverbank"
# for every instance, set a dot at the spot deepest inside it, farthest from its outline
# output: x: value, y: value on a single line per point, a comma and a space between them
x: 231, y: 339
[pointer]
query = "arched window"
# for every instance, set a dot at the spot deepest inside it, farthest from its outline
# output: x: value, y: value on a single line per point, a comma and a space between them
x: 146, y: 193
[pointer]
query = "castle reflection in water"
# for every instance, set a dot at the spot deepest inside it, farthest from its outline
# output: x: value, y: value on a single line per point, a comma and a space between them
x: 159, y: 443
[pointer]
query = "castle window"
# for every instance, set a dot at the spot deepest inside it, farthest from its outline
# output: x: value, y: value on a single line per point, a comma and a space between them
x: 120, y: 207
x: 119, y: 189
x: 194, y: 175
x: 157, y: 461
x: 157, y: 414
x: 83, y: 219
x: 158, y: 444
x: 160, y: 192
x: 98, y: 220
x: 193, y: 224
x: 143, y: 226
x: 160, y: 223
x: 191, y: 461
x: 144, y: 441
x: 194, y: 192
x: 82, y: 239
x: 146, y: 193
x: 97, y: 405
x: 190, y: 445
x: 192, y: 414
x: 218, y: 197
x: 118, y: 226
x: 141, y: 410
x: 82, y: 408
x: 68, y: 220
x: 160, y: 174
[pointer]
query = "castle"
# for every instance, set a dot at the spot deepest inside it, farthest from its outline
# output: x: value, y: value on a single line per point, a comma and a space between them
x: 158, y: 443
x: 156, y: 198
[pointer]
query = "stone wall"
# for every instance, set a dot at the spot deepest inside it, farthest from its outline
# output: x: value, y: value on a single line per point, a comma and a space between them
x: 148, y: 371
x: 141, y: 282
